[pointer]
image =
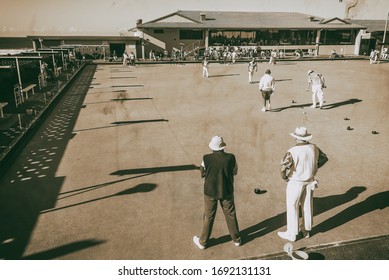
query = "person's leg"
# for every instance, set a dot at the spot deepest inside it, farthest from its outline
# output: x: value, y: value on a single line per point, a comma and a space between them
x: 229, y: 211
x: 314, y: 89
x: 268, y: 101
x: 293, y: 195
x: 210, y: 207
x: 263, y: 93
x: 320, y: 96
x: 307, y: 202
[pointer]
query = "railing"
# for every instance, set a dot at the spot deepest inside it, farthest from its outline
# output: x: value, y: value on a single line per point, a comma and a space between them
x: 192, y: 46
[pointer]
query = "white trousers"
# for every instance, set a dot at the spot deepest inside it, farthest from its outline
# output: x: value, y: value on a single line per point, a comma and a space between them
x: 297, y: 193
x: 205, y: 71
x: 251, y: 76
x: 317, y: 91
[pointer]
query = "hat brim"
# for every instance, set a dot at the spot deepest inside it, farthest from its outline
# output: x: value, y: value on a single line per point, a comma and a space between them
x: 304, y: 138
x: 217, y: 148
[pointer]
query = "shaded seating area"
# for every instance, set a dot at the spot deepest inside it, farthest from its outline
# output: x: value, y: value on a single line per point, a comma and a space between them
x: 30, y: 81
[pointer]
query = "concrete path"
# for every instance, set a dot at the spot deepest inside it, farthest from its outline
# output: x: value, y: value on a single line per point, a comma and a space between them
x: 124, y: 182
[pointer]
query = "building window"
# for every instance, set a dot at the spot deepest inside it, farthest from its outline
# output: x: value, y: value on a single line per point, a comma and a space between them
x: 158, y: 31
x: 262, y: 37
x: 337, y: 37
x: 191, y: 35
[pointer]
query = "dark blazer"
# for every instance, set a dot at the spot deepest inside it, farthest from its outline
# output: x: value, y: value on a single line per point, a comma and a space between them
x: 220, y: 168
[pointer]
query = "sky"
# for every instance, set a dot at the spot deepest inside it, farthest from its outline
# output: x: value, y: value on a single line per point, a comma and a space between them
x: 115, y: 17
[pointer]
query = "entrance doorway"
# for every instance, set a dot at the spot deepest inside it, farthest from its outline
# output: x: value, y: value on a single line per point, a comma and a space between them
x: 117, y: 49
x: 366, y: 46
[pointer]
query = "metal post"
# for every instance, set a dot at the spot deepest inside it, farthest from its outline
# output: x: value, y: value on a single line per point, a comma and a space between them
x: 383, y: 40
x: 54, y: 66
x: 63, y: 60
x: 20, y: 122
x: 19, y: 78
x: 40, y: 63
x: 18, y: 69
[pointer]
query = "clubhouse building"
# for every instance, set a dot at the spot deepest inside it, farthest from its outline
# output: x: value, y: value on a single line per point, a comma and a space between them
x: 186, y: 30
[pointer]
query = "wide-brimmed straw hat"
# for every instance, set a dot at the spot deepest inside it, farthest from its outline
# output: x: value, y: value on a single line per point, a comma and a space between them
x: 217, y: 143
x: 301, y: 133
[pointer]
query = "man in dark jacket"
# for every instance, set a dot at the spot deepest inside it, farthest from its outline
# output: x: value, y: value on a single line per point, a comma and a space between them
x: 218, y: 169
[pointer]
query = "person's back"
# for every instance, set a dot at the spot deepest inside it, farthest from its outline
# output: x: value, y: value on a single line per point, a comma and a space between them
x: 298, y: 168
x: 219, y: 174
x: 266, y: 82
x: 305, y: 157
x: 218, y: 169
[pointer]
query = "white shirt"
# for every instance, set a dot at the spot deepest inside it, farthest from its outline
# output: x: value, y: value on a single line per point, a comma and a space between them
x: 305, y: 162
x: 267, y: 82
x: 316, y: 79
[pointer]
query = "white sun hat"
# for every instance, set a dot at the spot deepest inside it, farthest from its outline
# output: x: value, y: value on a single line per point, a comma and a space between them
x: 217, y: 143
x: 301, y: 133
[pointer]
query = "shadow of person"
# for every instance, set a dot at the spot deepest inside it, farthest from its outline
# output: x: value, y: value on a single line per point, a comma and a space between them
x: 320, y: 205
x: 338, y: 104
x: 301, y: 106
x: 316, y: 256
x: 152, y: 170
x: 224, y: 75
x: 325, y: 107
x: 372, y: 203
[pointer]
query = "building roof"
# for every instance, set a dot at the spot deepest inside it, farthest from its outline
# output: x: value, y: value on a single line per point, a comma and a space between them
x: 85, y: 38
x: 246, y: 20
x: 371, y: 25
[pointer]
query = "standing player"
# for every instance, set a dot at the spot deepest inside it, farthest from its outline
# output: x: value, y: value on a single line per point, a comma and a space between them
x: 267, y: 86
x: 205, y: 65
x: 316, y: 80
x: 251, y: 67
x: 218, y: 170
x: 299, y: 167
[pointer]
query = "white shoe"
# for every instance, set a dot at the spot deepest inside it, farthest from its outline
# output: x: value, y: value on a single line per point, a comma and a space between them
x: 313, y: 106
x: 287, y: 236
x: 237, y: 244
x: 263, y: 109
x: 196, y: 241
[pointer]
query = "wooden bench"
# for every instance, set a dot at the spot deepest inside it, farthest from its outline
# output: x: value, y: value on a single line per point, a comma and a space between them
x: 28, y: 88
x: 2, y: 105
